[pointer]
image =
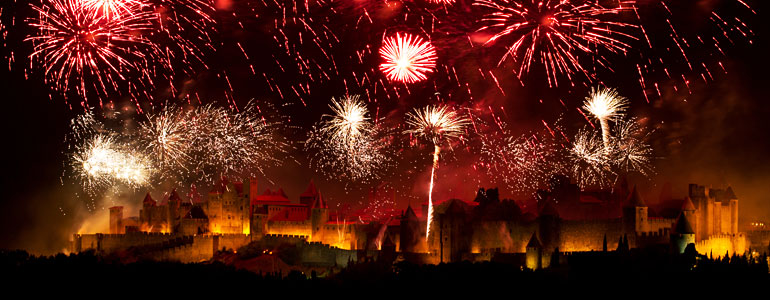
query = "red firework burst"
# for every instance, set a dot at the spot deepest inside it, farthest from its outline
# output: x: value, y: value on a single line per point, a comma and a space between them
x: 82, y: 49
x: 407, y: 58
x: 112, y: 8
x: 555, y: 33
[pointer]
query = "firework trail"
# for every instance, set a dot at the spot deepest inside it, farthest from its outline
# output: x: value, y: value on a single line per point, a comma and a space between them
x: 347, y: 144
x: 436, y: 124
x: 407, y: 58
x: 606, y: 105
x: 556, y: 34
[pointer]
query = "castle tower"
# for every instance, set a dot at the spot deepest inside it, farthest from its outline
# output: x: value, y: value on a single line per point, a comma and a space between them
x: 549, y: 227
x: 730, y: 196
x: 697, y: 195
x: 319, y: 215
x: 410, y: 231
x: 635, y: 213
x: 173, y: 206
x: 250, y: 189
x: 534, y: 255
x: 116, y: 220
x: 717, y: 195
x: 688, y: 209
x: 682, y: 235
x: 310, y: 196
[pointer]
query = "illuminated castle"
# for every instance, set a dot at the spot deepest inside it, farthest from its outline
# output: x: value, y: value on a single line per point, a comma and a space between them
x: 233, y: 215
x: 567, y: 220
x: 563, y: 219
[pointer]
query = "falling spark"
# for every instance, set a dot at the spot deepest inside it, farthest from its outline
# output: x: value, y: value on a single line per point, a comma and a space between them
x: 556, y: 34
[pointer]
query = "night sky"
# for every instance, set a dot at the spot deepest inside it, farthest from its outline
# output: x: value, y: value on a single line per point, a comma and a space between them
x: 717, y: 135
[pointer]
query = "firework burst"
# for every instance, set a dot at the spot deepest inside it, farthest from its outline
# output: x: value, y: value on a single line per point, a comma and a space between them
x: 522, y: 162
x: 631, y: 153
x: 347, y: 145
x: 555, y: 34
x: 82, y: 49
x: 166, y: 137
x: 407, y: 58
x: 606, y: 105
x: 436, y: 124
x: 591, y: 165
x: 103, y: 161
x: 112, y: 9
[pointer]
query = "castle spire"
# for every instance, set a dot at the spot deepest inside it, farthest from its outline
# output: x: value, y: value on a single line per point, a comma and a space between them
x: 635, y: 199
x: 534, y: 242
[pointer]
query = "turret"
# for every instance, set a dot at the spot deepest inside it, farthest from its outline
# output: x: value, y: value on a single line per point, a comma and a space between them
x: 730, y: 196
x: 410, y: 234
x: 534, y: 253
x: 319, y: 214
x: 635, y: 213
x: 682, y: 235
x: 688, y: 209
x: 116, y: 220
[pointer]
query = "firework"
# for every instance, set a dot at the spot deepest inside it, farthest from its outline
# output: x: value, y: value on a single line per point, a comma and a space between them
x: 79, y: 48
x: 103, y: 161
x: 198, y: 145
x: 522, y: 162
x: 436, y: 124
x: 407, y: 58
x: 556, y: 33
x: 590, y: 160
x: 227, y: 143
x: 350, y: 121
x: 630, y: 152
x: 112, y: 9
x: 347, y: 144
x: 166, y: 137
x: 605, y: 105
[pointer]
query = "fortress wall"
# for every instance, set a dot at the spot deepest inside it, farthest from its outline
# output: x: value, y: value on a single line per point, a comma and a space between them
x: 654, y: 225
x: 115, y: 242
x: 290, y: 228
x: 718, y: 245
x: 501, y: 236
x: 201, y: 249
x: 759, y: 240
x: 589, y: 235
x: 318, y: 255
x: 233, y: 241
x: 274, y: 240
x: 338, y: 235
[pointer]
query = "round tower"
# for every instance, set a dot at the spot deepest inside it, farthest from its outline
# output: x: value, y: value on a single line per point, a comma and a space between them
x: 682, y: 235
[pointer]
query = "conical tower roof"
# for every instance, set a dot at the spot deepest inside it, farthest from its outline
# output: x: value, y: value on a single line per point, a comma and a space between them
x: 148, y: 200
x: 534, y: 242
x: 688, y: 205
x: 683, y: 225
x: 729, y: 194
x: 635, y: 199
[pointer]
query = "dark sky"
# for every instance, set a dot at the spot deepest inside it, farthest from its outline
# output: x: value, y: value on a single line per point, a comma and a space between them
x: 716, y: 136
